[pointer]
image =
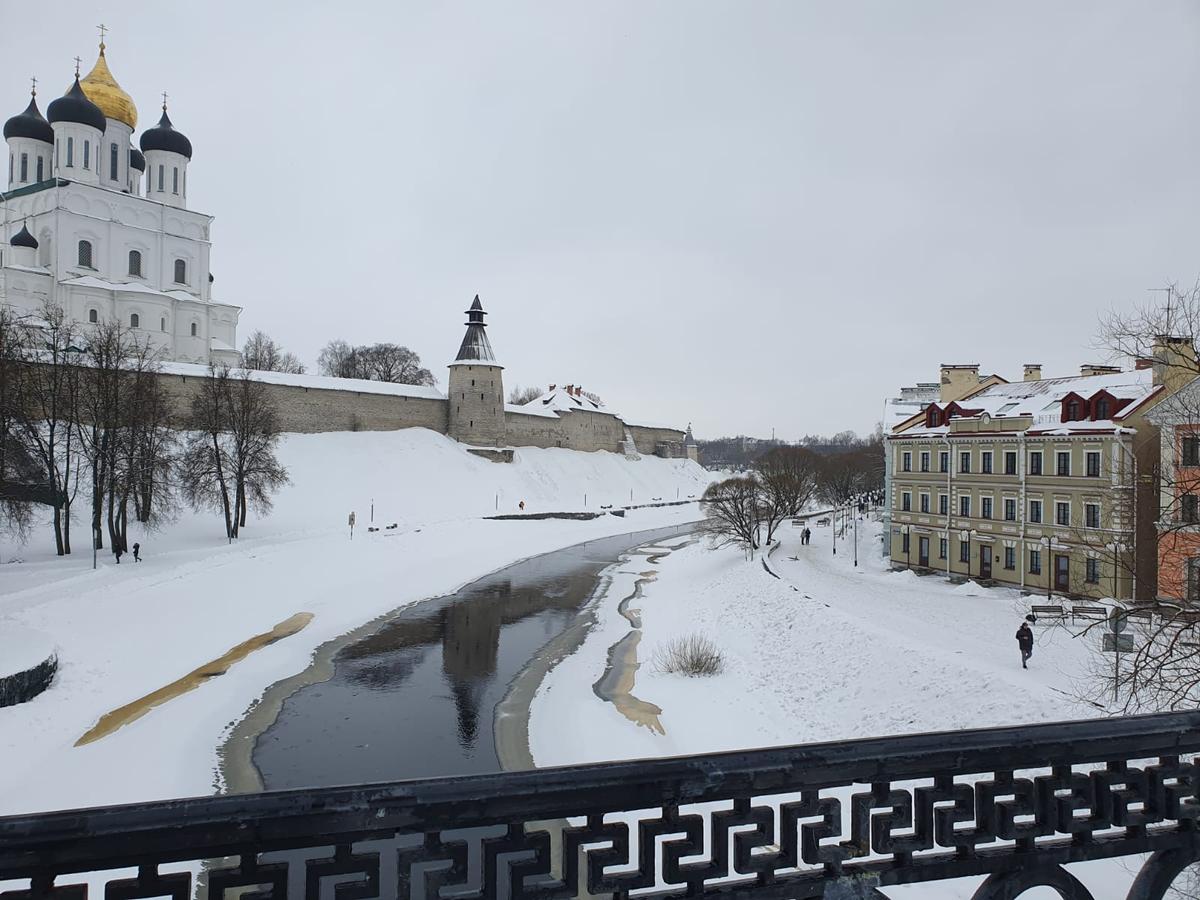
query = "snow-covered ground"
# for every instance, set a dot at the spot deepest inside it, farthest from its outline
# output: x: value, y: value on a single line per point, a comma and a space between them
x: 124, y: 631
x: 826, y: 652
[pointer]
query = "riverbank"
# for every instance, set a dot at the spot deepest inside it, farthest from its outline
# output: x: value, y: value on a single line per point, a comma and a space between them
x: 825, y: 652
x: 123, y: 632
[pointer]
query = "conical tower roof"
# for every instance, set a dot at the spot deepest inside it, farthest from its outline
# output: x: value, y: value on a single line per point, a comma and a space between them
x: 476, y: 348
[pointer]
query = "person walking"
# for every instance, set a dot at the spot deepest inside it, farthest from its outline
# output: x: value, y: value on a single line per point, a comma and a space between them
x: 137, y: 548
x: 117, y: 551
x: 1025, y: 642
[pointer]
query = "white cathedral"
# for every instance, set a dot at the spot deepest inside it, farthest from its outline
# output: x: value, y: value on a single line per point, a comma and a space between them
x: 102, y: 229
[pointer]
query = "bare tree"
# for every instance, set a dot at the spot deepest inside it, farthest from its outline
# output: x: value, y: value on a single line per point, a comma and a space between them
x: 204, y: 467
x: 733, y: 509
x: 262, y: 353
x: 519, y: 396
x: 253, y: 427
x: 18, y: 473
x: 788, y: 478
x: 375, y: 362
x: 336, y: 360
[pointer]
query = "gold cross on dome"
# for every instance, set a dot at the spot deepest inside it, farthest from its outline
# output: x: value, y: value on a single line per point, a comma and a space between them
x: 103, y: 31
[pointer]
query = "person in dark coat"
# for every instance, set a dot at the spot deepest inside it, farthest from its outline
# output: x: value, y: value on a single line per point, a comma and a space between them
x: 137, y: 548
x: 1025, y: 642
x: 117, y: 551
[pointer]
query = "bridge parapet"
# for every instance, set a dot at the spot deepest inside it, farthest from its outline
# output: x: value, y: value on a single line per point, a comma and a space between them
x: 834, y: 820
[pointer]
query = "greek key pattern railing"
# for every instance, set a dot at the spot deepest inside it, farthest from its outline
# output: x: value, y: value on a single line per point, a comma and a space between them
x: 819, y: 820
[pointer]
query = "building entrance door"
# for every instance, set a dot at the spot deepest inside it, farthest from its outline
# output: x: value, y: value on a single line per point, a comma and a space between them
x: 1062, y: 572
x: 985, y: 560
x: 923, y: 552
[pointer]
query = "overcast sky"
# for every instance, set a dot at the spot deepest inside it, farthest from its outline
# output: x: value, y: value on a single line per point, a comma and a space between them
x: 745, y: 215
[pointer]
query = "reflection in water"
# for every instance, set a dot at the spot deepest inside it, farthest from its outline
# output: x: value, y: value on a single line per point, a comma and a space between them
x: 417, y: 698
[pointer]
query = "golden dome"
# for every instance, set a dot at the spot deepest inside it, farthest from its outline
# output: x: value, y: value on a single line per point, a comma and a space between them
x: 102, y: 89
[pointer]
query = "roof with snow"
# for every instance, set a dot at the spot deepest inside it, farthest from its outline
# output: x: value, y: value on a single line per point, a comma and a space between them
x: 354, y: 385
x: 132, y: 287
x: 1043, y: 401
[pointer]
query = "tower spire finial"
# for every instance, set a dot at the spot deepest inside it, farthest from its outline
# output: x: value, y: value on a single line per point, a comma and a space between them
x: 164, y: 101
x: 103, y: 31
x: 33, y: 85
x: 78, y: 63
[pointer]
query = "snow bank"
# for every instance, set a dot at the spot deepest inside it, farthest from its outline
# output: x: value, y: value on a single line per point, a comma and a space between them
x: 22, y: 648
x: 125, y: 630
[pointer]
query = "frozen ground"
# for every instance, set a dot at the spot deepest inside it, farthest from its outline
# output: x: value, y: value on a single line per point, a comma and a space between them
x: 124, y: 631
x: 828, y: 652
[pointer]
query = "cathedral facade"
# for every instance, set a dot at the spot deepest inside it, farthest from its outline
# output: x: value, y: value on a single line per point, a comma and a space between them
x: 103, y: 229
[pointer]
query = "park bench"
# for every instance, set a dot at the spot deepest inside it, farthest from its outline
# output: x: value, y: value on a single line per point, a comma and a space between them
x: 1140, y: 615
x: 1048, y: 612
x: 822, y: 521
x: 1091, y: 613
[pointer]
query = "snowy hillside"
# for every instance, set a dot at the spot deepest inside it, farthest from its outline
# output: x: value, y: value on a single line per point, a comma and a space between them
x: 125, y: 631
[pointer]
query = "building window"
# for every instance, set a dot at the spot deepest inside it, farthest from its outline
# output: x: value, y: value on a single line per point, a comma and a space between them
x: 135, y: 263
x: 1010, y: 557
x: 1062, y: 513
x: 93, y: 316
x: 70, y: 152
x: 162, y: 324
x: 1073, y: 411
x: 942, y: 548
x: 964, y: 506
x: 1101, y: 409
x: 1035, y: 562
x: 1193, y: 580
x: 1010, y: 462
x: 1093, y: 463
x: 87, y: 154
x: 160, y: 178
x: 906, y: 501
x: 1092, y: 570
x: 1035, y: 462
x: 964, y: 461
x: 85, y: 254
x: 1091, y: 515
x: 175, y: 180
x: 1035, y: 511
x: 134, y: 320
x: 985, y: 507
x: 24, y: 167
x: 1190, y: 505
x: 925, y: 461
x: 985, y: 462
x: 944, y: 461
x: 906, y: 462
x: 1062, y: 465
x: 964, y: 552
x: 1191, y: 450
x: 180, y: 271
x: 1010, y: 509
x: 112, y: 162
x: 924, y: 503
x: 904, y: 545
x: 41, y: 172
x: 943, y: 503
x: 195, y: 329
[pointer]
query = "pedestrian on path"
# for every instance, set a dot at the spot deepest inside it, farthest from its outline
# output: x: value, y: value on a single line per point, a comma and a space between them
x: 117, y: 551
x: 1025, y: 642
x: 137, y: 548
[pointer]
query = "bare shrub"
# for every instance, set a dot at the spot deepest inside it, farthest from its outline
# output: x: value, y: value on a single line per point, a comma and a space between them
x: 693, y: 655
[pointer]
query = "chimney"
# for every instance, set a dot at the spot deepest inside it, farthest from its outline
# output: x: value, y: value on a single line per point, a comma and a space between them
x: 1033, y: 371
x: 1096, y: 369
x: 958, y: 380
x: 1143, y: 362
x: 1174, y: 361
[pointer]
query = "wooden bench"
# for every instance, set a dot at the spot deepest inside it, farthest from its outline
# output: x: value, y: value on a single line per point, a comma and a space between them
x: 1048, y: 612
x: 1091, y: 613
x: 1140, y: 615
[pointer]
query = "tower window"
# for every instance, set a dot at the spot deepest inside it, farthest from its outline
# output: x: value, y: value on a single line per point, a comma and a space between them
x: 180, y: 271
x: 93, y: 316
x: 134, y: 320
x: 24, y: 167
x: 160, y: 178
x: 70, y: 152
x: 87, y: 154
x: 41, y: 171
x: 135, y: 263
x: 175, y: 181
x: 112, y: 161
x: 85, y: 254
x: 162, y: 324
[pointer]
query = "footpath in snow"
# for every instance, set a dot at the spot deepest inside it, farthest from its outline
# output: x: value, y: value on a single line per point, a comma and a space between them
x: 124, y: 631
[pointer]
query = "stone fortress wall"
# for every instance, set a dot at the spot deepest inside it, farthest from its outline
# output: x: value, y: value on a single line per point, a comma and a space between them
x: 312, y: 404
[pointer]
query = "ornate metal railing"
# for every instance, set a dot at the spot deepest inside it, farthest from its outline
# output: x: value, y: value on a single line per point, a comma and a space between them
x: 832, y: 820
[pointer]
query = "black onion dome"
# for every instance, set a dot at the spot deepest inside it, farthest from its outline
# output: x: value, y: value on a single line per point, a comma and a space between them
x: 24, y: 239
x: 136, y: 160
x: 163, y: 136
x: 29, y: 124
x: 74, y: 106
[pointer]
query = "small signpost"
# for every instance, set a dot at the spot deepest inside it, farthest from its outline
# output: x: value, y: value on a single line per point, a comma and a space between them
x: 1116, y: 641
x: 352, y: 525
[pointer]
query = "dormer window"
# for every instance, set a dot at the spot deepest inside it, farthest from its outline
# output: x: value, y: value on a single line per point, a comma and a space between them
x: 1072, y: 410
x: 1101, y: 409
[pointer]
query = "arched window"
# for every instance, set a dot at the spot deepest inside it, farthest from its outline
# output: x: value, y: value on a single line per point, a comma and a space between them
x: 85, y: 254
x: 41, y: 170
x: 180, y: 271
x: 135, y: 263
x: 112, y: 161
x: 160, y: 178
x: 87, y: 154
x: 195, y: 329
x: 70, y: 152
x: 162, y: 324
x: 175, y: 180
x: 134, y: 320
x: 24, y: 167
x: 93, y: 316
